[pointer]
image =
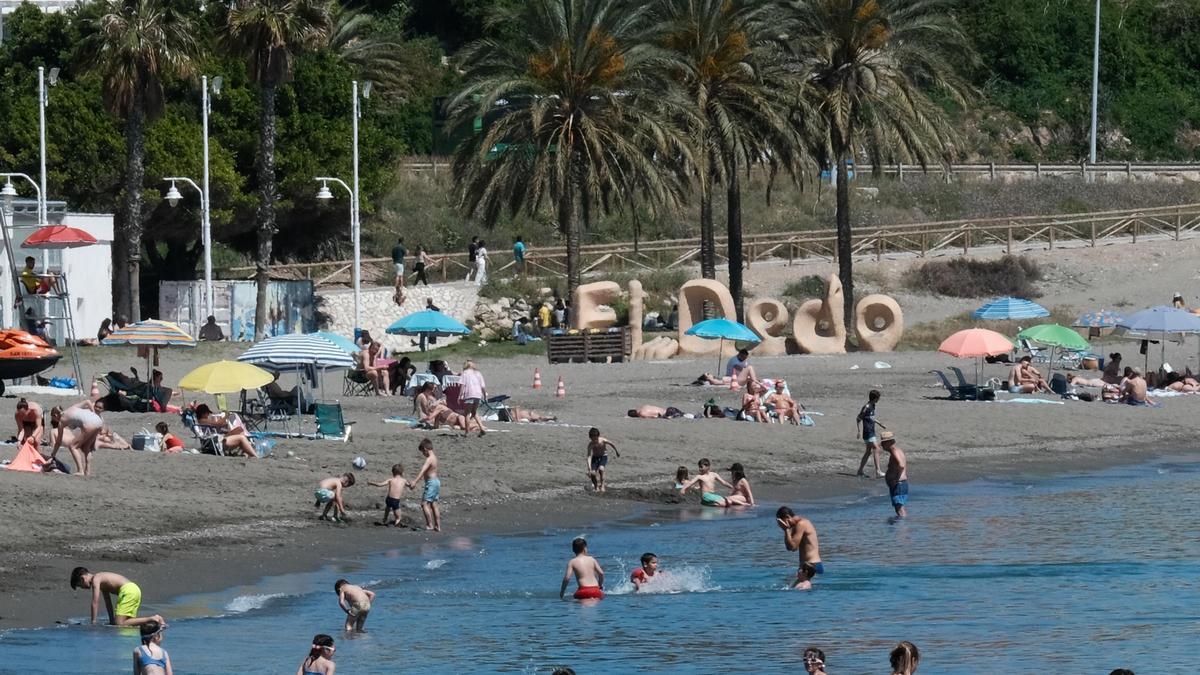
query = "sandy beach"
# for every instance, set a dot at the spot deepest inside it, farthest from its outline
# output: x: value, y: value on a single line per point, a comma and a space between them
x: 180, y: 524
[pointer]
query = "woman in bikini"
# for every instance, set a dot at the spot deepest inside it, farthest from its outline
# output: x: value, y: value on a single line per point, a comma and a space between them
x: 434, y: 411
x: 741, y: 495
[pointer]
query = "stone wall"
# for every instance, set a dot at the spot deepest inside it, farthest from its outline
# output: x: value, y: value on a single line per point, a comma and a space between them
x: 456, y: 299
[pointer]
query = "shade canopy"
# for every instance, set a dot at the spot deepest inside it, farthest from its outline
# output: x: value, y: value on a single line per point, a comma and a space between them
x: 1099, y: 319
x: 226, y: 377
x: 152, y: 333
x: 342, y: 341
x: 287, y: 352
x: 428, y: 322
x: 975, y: 342
x: 1160, y: 321
x: 58, y: 236
x: 723, y: 329
x: 1010, y: 308
x: 1054, y: 335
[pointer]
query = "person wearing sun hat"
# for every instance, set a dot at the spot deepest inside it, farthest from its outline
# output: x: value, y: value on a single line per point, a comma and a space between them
x: 897, y: 473
x: 1177, y: 301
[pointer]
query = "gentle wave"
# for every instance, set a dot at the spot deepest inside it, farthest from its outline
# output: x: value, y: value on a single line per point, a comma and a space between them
x: 249, y: 603
x: 434, y: 564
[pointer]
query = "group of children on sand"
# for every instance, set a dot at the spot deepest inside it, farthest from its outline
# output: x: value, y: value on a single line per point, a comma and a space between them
x: 329, y: 492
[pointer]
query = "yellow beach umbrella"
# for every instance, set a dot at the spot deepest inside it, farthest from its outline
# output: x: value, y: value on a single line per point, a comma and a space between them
x: 226, y: 377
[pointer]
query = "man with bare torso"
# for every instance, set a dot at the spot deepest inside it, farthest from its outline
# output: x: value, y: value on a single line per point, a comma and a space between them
x: 897, y: 473
x: 589, y: 577
x: 800, y: 535
x: 1023, y: 378
x: 1133, y: 388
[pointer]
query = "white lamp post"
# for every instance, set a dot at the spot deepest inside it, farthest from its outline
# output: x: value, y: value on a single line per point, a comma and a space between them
x: 173, y: 195
x: 324, y: 194
x: 1095, y: 81
x: 43, y: 99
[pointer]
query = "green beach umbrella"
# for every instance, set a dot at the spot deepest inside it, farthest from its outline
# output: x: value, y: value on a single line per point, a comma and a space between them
x: 1054, y: 336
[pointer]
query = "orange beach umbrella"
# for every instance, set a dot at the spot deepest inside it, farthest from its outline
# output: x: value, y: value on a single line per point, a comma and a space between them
x: 976, y: 342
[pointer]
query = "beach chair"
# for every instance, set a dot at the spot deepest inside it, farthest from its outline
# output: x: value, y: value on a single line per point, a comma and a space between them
x: 357, y: 384
x: 1035, y: 353
x: 957, y: 392
x: 330, y: 423
x: 496, y: 409
x: 211, y: 440
x: 453, y: 393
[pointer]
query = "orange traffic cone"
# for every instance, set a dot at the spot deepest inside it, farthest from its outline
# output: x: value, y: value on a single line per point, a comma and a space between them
x: 537, y: 378
x: 562, y: 388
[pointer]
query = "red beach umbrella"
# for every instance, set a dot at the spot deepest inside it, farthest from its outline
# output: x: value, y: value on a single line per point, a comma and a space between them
x: 58, y: 236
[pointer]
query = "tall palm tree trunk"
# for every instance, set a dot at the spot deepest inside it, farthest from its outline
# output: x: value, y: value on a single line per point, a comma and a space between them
x: 733, y: 222
x: 268, y: 195
x: 569, y: 223
x: 708, y: 244
x: 135, y: 172
x: 844, y: 243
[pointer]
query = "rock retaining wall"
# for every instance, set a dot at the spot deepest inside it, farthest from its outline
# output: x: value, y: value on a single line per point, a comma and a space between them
x: 456, y: 299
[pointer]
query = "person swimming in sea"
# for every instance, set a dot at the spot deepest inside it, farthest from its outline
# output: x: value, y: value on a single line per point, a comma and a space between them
x: 707, y: 480
x: 646, y: 572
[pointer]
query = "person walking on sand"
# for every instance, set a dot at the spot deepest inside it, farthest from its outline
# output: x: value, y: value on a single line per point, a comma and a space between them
x: 474, y: 393
x: 355, y: 601
x: 905, y: 658
x: 150, y: 658
x: 129, y: 597
x: 897, y: 473
x: 866, y: 419
x: 589, y: 577
x: 433, y: 487
x: 597, y: 454
x: 395, y: 485
x: 320, y: 657
x: 800, y: 535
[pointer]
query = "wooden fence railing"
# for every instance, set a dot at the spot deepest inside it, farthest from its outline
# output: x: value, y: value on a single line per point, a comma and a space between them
x: 918, y: 239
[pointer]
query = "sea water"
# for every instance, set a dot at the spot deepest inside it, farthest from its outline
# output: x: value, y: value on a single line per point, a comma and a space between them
x: 1077, y: 574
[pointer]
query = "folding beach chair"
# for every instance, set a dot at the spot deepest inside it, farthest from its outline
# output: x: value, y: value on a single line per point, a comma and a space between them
x: 495, y: 409
x: 211, y: 440
x: 1035, y: 353
x: 357, y: 384
x: 330, y: 423
x: 957, y: 393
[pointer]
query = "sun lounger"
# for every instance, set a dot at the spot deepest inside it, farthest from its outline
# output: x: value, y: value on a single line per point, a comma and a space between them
x: 957, y: 392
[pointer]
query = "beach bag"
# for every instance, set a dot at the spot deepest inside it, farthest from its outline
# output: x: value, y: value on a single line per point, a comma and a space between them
x: 146, y: 442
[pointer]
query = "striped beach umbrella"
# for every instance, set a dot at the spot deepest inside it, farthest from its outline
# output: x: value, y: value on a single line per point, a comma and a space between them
x: 1010, y: 308
x: 1101, y: 319
x: 287, y: 352
x: 151, y: 333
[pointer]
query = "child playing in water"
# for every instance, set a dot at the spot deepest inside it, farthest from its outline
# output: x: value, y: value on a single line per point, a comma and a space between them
x: 588, y: 575
x: 129, y: 596
x: 647, y: 571
x: 355, y: 601
x: 320, y: 657
x: 395, y: 485
x: 151, y: 658
x: 329, y: 493
x: 681, y: 477
x: 597, y: 455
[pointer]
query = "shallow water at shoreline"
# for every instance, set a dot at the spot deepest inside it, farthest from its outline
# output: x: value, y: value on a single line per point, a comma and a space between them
x: 1067, y: 574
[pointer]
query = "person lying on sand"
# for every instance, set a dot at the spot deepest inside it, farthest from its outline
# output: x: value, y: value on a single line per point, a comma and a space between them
x: 653, y: 412
x: 516, y: 414
x: 589, y: 576
x: 129, y: 596
x: 1180, y: 383
x: 707, y: 480
x: 737, y: 368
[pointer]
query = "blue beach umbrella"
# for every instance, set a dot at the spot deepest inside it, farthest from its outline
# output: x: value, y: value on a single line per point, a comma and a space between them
x: 1159, y: 323
x: 723, y: 329
x: 428, y: 322
x: 1101, y: 319
x: 1010, y: 308
x: 345, y: 343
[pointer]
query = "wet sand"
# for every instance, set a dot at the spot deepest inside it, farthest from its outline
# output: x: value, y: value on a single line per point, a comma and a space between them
x: 190, y: 523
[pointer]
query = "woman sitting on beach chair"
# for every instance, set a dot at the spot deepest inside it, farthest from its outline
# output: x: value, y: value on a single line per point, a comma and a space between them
x: 233, y: 433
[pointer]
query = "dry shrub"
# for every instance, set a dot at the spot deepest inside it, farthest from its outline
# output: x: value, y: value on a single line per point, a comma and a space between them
x: 969, y: 278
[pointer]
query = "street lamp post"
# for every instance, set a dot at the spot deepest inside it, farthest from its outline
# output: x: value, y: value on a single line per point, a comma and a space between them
x: 1095, y: 81
x: 355, y: 220
x: 43, y: 99
x: 324, y: 194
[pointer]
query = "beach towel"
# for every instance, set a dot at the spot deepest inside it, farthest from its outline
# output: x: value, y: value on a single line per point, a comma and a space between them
x: 28, y: 459
x: 401, y: 419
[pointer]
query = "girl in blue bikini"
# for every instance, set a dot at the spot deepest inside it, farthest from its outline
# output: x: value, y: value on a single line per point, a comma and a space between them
x: 150, y: 658
x: 320, y: 658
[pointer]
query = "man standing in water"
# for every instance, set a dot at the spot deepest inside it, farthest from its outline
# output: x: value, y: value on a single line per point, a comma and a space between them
x: 588, y: 575
x: 800, y: 535
x: 897, y: 473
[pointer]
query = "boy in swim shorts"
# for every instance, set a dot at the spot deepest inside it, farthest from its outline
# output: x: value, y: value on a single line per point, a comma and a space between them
x: 646, y: 572
x: 707, y: 480
x: 355, y: 601
x: 433, y: 487
x: 129, y: 596
x: 395, y: 485
x: 589, y: 577
x: 597, y: 455
x: 329, y: 493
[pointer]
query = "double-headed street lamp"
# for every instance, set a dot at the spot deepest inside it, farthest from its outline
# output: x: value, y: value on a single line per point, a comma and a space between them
x: 324, y: 194
x: 173, y: 195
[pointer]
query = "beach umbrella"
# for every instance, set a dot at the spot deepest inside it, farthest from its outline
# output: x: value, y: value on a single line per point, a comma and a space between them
x: 976, y: 343
x: 1010, y: 308
x: 1159, y: 323
x: 723, y: 329
x: 1056, y: 337
x: 428, y: 323
x: 226, y: 377
x: 293, y: 352
x: 58, y: 237
x: 342, y: 341
x: 150, y: 334
x: 1100, y: 319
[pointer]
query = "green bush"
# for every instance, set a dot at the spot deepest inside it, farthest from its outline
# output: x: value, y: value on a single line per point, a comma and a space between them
x: 968, y: 278
x: 805, y: 288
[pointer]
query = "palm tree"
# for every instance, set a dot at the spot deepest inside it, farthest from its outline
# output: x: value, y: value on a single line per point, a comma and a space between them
x: 381, y: 57
x: 133, y: 45
x: 741, y: 87
x: 582, y: 117
x: 269, y: 34
x: 874, y: 66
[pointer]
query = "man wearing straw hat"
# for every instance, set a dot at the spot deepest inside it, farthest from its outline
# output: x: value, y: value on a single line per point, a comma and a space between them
x: 897, y: 473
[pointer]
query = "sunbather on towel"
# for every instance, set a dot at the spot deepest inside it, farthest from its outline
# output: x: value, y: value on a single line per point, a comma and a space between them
x: 738, y: 368
x: 785, y: 406
x: 653, y: 412
x: 435, y: 412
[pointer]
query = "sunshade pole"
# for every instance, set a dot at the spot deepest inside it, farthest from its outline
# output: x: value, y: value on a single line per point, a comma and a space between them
x: 720, y: 350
